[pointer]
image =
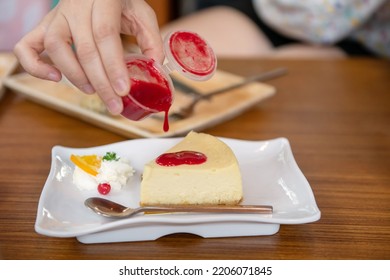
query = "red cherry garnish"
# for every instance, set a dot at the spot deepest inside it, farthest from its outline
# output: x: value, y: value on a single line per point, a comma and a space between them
x: 104, y: 188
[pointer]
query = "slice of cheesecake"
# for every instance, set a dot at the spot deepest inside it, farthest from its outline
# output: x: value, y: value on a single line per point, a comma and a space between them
x: 201, y: 169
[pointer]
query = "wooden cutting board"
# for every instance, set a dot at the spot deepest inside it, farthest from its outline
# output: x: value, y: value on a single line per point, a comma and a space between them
x: 65, y: 98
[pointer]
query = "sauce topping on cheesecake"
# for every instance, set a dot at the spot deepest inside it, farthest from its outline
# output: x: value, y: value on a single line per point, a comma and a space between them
x: 182, y: 157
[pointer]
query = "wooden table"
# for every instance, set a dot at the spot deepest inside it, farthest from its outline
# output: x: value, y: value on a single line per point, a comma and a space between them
x: 336, y: 115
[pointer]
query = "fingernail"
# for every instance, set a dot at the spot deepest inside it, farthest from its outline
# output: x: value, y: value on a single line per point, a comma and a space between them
x: 53, y: 76
x: 121, y: 87
x: 88, y: 89
x: 114, y: 106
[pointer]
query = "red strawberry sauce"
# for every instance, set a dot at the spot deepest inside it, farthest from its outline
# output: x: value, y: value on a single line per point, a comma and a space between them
x: 147, y: 96
x: 182, y: 157
x: 192, y: 53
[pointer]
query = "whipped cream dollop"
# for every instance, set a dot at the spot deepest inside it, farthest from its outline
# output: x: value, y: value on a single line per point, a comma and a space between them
x: 115, y: 172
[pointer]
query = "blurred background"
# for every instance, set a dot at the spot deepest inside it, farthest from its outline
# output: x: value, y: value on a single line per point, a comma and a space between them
x: 252, y: 36
x: 18, y: 17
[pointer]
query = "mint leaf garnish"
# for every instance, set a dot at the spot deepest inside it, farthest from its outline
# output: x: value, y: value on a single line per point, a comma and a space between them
x: 110, y: 156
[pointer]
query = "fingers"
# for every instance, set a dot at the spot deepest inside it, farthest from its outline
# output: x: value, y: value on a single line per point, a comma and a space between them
x: 150, y: 44
x: 28, y: 51
x: 140, y: 20
x: 109, y: 44
x: 87, y: 42
x: 96, y: 62
x: 58, y: 44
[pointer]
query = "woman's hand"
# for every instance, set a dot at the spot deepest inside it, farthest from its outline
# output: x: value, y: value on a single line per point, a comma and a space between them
x: 82, y: 39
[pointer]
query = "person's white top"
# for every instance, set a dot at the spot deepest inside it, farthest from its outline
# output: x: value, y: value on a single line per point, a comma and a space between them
x: 329, y: 21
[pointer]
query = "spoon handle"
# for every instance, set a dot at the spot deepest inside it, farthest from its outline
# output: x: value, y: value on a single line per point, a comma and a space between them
x: 255, y: 78
x: 186, y: 89
x: 255, y: 209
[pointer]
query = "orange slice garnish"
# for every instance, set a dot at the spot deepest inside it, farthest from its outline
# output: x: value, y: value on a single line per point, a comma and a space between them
x: 89, y: 163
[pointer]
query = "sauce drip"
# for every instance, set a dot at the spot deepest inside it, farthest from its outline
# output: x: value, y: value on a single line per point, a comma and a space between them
x: 182, y: 157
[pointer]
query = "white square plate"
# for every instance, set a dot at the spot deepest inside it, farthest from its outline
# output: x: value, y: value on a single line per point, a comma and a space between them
x: 270, y: 176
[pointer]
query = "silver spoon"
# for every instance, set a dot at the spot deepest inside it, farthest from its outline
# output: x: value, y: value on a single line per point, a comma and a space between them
x: 112, y: 209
